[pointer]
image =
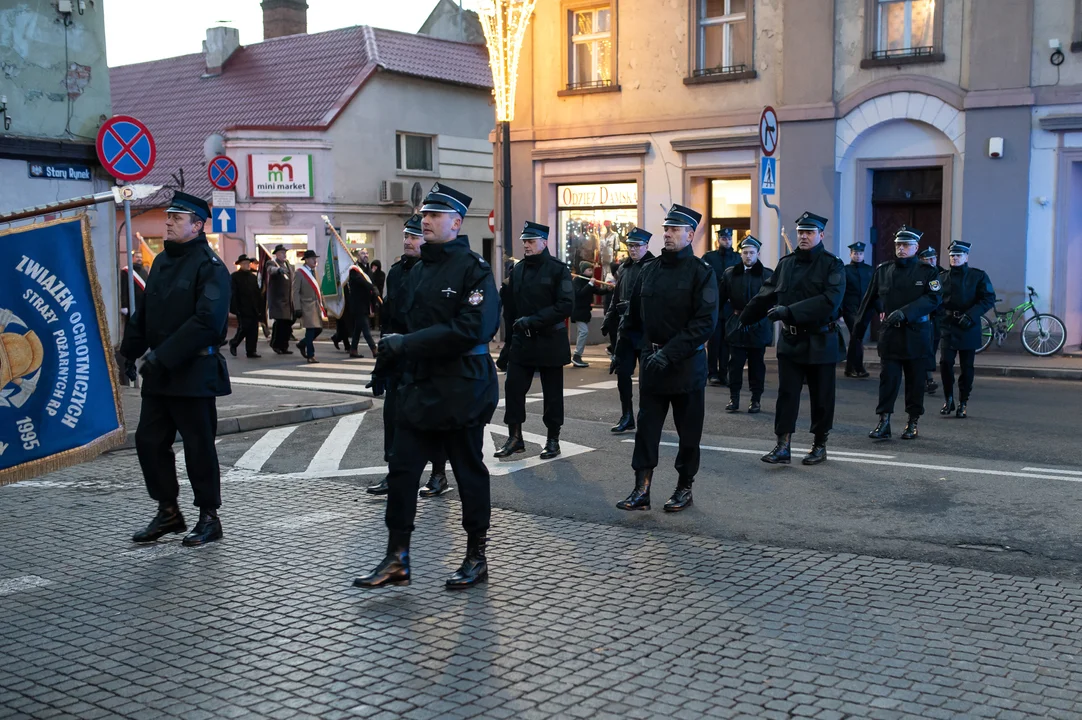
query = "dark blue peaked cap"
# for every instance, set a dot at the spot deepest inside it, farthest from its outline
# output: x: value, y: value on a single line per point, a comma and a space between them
x: 907, y: 235
x: 858, y: 246
x: 751, y: 241
x: 534, y: 231
x: 637, y: 236
x: 443, y: 198
x: 413, y: 225
x: 811, y: 221
x: 680, y: 216
x: 185, y: 203
x: 928, y: 252
x: 957, y: 247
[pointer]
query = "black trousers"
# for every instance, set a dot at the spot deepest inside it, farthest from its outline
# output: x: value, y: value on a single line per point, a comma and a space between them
x: 717, y: 351
x: 687, y: 414
x: 854, y: 355
x: 791, y: 378
x: 360, y: 327
x: 280, y: 334
x: 965, y: 379
x: 196, y: 419
x: 625, y: 369
x: 390, y: 417
x: 738, y: 356
x: 517, y: 384
x: 412, y: 450
x: 248, y: 333
x: 890, y: 382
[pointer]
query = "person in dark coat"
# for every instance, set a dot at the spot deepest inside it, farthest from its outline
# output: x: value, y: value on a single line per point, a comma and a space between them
x: 717, y: 350
x: 626, y: 354
x: 139, y: 284
x: 362, y: 297
x: 858, y: 275
x: 539, y: 299
x: 674, y: 307
x: 805, y: 294
x: 393, y: 320
x: 747, y: 344
x: 379, y: 282
x: 280, y: 301
x: 246, y: 303
x: 343, y: 324
x: 608, y: 331
x: 967, y: 295
x: 449, y: 388
x: 585, y: 288
x: 928, y: 257
x: 907, y: 292
x: 178, y: 331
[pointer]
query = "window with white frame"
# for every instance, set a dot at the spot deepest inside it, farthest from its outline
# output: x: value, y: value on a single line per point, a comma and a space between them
x: 413, y: 152
x: 723, y: 45
x: 905, y: 28
x: 591, y: 57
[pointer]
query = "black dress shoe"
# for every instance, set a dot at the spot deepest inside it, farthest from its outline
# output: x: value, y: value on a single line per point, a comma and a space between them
x: 818, y: 452
x: 552, y: 447
x: 910, y: 431
x: 514, y: 442
x: 287, y: 351
x: 380, y: 488
x: 713, y: 381
x: 782, y: 453
x: 850, y: 374
x: 301, y: 350
x: 207, y: 530
x: 278, y: 351
x: 474, y: 569
x: 681, y: 499
x: 254, y: 355
x: 882, y: 430
x: 627, y: 422
x: 930, y: 387
x: 755, y: 406
x: 168, y: 520
x: 861, y: 374
x: 733, y: 406
x: 639, y: 499
x: 961, y: 409
x: 394, y: 569
x: 334, y: 339
x: 948, y: 406
x: 437, y: 485
x: 232, y: 349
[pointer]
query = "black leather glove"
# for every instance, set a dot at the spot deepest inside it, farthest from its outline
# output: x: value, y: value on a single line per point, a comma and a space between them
x: 658, y: 362
x: 502, y: 360
x: 780, y: 312
x: 151, y: 365
x: 613, y: 364
x: 378, y: 385
x: 965, y: 322
x: 129, y: 369
x: 896, y: 318
x: 604, y: 329
x: 297, y: 314
x: 522, y: 324
x: 393, y: 345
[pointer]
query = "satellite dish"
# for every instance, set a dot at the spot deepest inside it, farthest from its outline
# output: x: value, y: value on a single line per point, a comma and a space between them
x: 213, y: 146
x: 416, y: 195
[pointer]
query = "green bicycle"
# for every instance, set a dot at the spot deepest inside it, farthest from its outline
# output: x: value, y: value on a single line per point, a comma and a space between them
x: 1043, y: 334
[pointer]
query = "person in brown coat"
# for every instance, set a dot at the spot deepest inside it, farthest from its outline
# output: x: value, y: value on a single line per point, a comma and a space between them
x: 308, y: 304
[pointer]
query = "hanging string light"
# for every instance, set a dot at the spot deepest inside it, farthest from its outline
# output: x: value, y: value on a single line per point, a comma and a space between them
x: 504, y: 23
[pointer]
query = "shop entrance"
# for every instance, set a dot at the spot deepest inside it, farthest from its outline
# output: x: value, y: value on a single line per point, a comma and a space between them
x: 730, y: 207
x: 593, y: 220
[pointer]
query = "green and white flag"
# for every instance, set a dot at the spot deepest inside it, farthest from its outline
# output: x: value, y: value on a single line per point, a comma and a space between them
x: 335, y: 265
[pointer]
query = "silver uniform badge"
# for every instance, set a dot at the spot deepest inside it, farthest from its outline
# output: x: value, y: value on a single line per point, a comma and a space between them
x: 448, y: 292
x: 476, y: 297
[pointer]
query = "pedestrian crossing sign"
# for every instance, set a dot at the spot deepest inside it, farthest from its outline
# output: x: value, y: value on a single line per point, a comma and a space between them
x: 768, y: 175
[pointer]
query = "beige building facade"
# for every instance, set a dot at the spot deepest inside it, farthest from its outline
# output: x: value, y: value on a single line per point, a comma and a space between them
x: 962, y: 118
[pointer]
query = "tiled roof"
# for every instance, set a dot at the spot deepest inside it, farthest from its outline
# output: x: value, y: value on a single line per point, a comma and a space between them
x: 298, y: 81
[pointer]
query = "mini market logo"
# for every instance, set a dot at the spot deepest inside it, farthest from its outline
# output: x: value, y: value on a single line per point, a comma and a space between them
x: 276, y: 171
x: 280, y: 175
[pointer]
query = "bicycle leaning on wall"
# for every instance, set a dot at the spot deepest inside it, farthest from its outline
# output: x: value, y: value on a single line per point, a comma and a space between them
x: 1043, y: 334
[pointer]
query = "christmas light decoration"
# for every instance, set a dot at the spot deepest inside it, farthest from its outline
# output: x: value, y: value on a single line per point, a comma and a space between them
x: 504, y: 23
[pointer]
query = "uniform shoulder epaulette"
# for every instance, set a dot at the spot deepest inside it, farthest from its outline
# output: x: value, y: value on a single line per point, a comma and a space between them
x: 481, y: 260
x: 882, y: 264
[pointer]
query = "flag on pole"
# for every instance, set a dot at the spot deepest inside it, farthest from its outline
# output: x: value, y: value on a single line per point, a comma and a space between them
x: 336, y: 261
x: 264, y: 280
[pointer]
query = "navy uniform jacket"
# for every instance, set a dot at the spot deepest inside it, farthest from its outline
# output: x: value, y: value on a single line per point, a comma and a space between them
x: 625, y: 283
x: 738, y: 286
x: 720, y: 261
x: 858, y: 276
x: 539, y: 290
x: 967, y: 292
x: 912, y: 287
x: 183, y: 319
x: 673, y: 306
x: 392, y: 312
x: 811, y: 283
x: 452, y: 313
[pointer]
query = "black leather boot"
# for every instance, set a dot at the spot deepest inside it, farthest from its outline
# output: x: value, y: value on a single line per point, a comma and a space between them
x: 380, y: 488
x: 627, y: 419
x: 207, y: 530
x: 552, y: 447
x: 514, y: 442
x: 782, y: 453
x: 168, y: 520
x: 474, y: 568
x: 639, y: 499
x: 394, y: 569
x: 818, y: 452
x: 734, y: 404
x: 882, y: 430
x: 755, y: 406
x: 961, y: 408
x: 681, y: 499
x: 948, y: 405
x: 930, y: 386
x: 910, y: 431
x: 437, y: 484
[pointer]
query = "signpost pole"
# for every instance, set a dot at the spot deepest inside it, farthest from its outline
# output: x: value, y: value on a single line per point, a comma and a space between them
x: 131, y: 269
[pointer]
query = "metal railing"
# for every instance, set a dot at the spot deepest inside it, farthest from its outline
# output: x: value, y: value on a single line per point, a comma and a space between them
x: 903, y: 53
x: 589, y: 84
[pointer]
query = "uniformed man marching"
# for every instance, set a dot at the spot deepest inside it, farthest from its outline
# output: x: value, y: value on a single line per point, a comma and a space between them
x: 858, y: 275
x: 928, y: 257
x: 967, y: 295
x: 717, y: 349
x: 747, y: 344
x: 629, y: 342
x: 180, y: 326
x: 393, y: 320
x: 539, y: 301
x: 449, y: 389
x: 673, y: 306
x: 907, y: 293
x: 804, y: 293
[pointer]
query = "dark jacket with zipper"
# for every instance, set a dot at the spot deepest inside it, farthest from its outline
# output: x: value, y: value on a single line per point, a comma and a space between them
x: 858, y: 276
x: 739, y: 285
x: 539, y: 290
x: 967, y: 292
x: 393, y: 311
x: 625, y: 283
x: 908, y: 285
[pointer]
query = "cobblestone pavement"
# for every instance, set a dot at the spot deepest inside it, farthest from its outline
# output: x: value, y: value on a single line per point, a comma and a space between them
x: 579, y: 619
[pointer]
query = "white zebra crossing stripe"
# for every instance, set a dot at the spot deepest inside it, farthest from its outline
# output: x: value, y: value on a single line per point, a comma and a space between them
x: 26, y: 582
x: 255, y: 457
x: 340, y: 387
x: 317, y: 374
x: 330, y: 453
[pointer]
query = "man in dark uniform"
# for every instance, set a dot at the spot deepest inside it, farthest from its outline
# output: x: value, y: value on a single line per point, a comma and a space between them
x: 717, y: 349
x: 449, y: 388
x: 674, y: 307
x: 180, y: 326
x: 629, y: 346
x: 246, y: 303
x: 928, y: 257
x: 858, y: 275
x: 967, y: 295
x: 747, y: 344
x: 539, y: 301
x: 280, y: 300
x: 393, y: 320
x: 804, y: 293
x: 140, y: 284
x: 907, y: 292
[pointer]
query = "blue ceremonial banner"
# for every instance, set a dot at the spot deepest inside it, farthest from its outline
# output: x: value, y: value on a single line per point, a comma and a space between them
x: 59, y: 400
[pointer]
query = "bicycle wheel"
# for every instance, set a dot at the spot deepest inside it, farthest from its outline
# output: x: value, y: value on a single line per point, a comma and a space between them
x: 986, y: 333
x: 1044, y: 335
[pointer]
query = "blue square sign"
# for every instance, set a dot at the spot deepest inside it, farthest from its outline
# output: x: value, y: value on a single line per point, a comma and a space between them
x: 224, y: 220
x: 768, y: 176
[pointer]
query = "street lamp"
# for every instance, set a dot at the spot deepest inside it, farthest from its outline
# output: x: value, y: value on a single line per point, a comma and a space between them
x: 504, y: 23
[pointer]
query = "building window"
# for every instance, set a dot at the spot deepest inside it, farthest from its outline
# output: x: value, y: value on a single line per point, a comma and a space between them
x: 905, y: 28
x: 413, y: 152
x: 730, y: 209
x: 594, y: 220
x: 591, y: 61
x: 723, y: 37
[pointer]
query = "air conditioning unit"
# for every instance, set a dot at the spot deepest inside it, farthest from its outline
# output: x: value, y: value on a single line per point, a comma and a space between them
x: 391, y: 192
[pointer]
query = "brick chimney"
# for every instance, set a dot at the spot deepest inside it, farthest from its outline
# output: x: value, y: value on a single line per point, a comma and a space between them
x: 221, y: 42
x: 284, y: 17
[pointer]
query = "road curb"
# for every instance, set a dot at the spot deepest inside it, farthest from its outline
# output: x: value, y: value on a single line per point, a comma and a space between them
x: 274, y: 418
x: 1038, y: 373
